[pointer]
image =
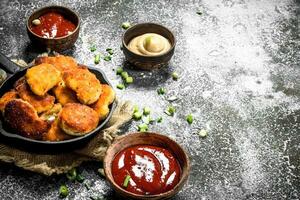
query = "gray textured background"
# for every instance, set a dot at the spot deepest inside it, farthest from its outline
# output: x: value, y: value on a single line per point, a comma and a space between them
x: 239, y: 75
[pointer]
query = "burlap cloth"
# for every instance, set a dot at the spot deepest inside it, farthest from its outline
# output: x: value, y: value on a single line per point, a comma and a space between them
x: 49, y: 164
x: 95, y: 149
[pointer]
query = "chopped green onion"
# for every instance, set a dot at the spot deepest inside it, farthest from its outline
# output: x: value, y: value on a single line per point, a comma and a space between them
x: 148, y: 41
x: 93, y: 48
x: 202, y: 133
x: 135, y: 108
x: 189, y: 118
x: 119, y: 70
x: 147, y: 119
x: 146, y: 111
x: 159, y: 120
x: 175, y: 76
x: 126, y: 181
x: 79, y: 178
x: 142, y: 127
x: 124, y: 75
x: 63, y: 191
x: 97, y: 59
x: 199, y: 12
x: 137, y: 115
x: 110, y: 51
x: 126, y: 25
x: 107, y: 58
x: 129, y: 80
x: 161, y: 91
x: 101, y: 172
x: 170, y: 110
x: 121, y: 86
x: 87, y: 186
x: 72, y: 174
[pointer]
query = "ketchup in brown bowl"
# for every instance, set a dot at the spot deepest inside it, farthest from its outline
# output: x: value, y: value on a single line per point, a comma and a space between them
x: 52, y: 25
x: 146, y: 169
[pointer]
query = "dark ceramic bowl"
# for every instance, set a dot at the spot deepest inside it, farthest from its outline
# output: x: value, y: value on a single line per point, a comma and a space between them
x: 60, y: 43
x: 147, y: 138
x: 148, y: 62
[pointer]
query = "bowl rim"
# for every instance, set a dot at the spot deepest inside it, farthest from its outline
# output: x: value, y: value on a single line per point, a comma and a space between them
x: 54, y: 6
x: 184, y: 174
x: 149, y: 56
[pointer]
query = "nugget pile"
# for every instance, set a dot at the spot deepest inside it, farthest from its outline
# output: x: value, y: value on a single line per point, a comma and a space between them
x: 56, y: 100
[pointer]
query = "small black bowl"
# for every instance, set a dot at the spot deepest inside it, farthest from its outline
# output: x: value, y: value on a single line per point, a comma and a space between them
x: 148, y: 62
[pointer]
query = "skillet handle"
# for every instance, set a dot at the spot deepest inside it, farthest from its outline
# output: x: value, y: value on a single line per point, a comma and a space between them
x: 7, y: 65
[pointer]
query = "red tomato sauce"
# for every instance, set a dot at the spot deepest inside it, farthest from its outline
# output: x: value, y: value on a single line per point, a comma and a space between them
x: 152, y: 169
x: 53, y: 25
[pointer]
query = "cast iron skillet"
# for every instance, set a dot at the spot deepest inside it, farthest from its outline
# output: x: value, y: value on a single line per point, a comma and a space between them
x: 8, y: 136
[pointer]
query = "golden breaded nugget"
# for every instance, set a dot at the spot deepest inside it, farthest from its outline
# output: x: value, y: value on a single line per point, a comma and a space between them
x: 63, y: 94
x: 41, y: 78
x: 84, y: 83
x: 23, y: 118
x: 8, y: 96
x: 40, y: 103
x: 55, y: 133
x: 62, y: 63
x: 105, y: 99
x: 77, y: 119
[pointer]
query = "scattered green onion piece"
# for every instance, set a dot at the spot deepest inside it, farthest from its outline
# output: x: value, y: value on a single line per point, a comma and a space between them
x: 72, y: 174
x: 87, y: 186
x: 161, y: 91
x: 142, y: 127
x: 175, y: 76
x: 107, y: 58
x: 189, y: 118
x: 79, y: 178
x: 147, y: 119
x: 126, y: 25
x: 137, y: 115
x: 159, y: 120
x: 93, y: 48
x: 126, y: 181
x: 121, y: 86
x: 63, y: 191
x: 119, y: 70
x: 170, y: 110
x: 110, y: 51
x: 97, y: 59
x: 135, y: 108
x: 101, y: 172
x: 146, y: 111
x: 148, y: 41
x: 202, y: 133
x: 129, y: 80
x: 124, y: 75
x: 199, y: 12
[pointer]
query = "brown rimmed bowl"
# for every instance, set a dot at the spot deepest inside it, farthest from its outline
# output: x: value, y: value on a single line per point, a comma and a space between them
x: 59, y: 43
x: 146, y: 138
x: 148, y: 62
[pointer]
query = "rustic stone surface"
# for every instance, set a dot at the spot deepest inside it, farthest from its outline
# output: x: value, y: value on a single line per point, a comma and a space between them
x: 239, y: 72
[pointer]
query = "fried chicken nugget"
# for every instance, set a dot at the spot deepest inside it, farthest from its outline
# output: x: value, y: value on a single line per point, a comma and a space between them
x: 84, y: 83
x: 41, y: 78
x: 40, y: 103
x: 55, y: 133
x: 63, y: 94
x: 77, y: 119
x: 23, y: 118
x: 105, y: 99
x: 60, y: 62
x: 8, y: 96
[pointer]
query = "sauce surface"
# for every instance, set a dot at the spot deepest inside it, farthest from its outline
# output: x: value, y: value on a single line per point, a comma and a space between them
x: 152, y: 169
x: 149, y: 44
x: 53, y: 25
